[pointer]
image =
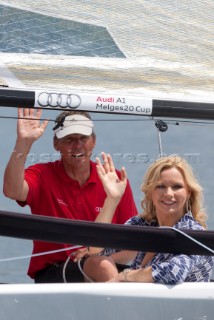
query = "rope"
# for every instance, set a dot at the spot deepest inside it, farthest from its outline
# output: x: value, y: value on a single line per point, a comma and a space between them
x: 39, y: 254
x: 80, y: 268
x: 189, y: 237
x: 64, y: 267
x: 83, y: 273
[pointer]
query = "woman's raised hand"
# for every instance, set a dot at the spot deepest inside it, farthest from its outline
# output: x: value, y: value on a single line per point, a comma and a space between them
x: 113, y: 185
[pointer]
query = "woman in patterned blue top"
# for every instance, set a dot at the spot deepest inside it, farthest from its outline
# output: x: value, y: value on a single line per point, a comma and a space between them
x: 173, y: 198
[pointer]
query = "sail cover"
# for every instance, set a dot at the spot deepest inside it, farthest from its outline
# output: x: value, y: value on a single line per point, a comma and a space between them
x: 159, y: 49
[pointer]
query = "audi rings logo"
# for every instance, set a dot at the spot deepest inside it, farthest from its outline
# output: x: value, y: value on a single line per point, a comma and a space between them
x: 58, y: 100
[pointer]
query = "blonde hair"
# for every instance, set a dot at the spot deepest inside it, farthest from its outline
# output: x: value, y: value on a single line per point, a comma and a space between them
x: 152, y: 177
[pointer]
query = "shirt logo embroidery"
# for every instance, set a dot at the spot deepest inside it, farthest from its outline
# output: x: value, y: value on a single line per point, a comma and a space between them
x: 62, y: 202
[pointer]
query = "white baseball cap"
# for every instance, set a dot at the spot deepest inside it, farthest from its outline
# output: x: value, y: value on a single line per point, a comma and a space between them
x: 74, y: 124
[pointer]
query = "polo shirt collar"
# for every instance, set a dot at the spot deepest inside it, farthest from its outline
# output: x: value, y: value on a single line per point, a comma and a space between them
x: 61, y: 171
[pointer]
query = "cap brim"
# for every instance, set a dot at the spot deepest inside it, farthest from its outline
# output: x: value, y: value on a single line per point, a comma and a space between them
x: 74, y: 129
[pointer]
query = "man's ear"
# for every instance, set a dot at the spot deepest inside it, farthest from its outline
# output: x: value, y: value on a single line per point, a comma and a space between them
x: 56, y: 143
x: 94, y: 140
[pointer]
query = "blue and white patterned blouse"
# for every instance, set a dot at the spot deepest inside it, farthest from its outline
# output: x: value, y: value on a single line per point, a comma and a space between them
x: 173, y: 268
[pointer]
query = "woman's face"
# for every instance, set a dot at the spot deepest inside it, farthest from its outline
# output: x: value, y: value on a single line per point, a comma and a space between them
x: 169, y: 197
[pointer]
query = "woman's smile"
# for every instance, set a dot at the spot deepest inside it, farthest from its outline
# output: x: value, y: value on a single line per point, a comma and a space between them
x: 170, y: 196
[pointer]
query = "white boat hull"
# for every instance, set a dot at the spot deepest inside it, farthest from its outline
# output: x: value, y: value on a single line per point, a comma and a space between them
x: 107, y: 301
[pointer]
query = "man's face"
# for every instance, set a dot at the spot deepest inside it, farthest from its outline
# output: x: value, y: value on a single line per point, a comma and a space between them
x: 75, y: 148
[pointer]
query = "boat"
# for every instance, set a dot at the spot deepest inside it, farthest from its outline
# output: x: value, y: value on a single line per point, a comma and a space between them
x: 106, y: 300
x: 142, y: 62
x: 192, y: 301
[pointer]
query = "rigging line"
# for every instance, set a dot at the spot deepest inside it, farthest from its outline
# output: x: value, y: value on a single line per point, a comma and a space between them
x: 94, y: 120
x: 189, y: 237
x: 174, y: 122
x: 160, y: 144
x: 188, y: 122
x: 161, y: 127
x: 183, y: 122
x: 39, y: 254
x: 16, y: 118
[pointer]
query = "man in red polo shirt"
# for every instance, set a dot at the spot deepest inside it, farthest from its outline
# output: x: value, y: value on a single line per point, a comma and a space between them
x: 67, y: 188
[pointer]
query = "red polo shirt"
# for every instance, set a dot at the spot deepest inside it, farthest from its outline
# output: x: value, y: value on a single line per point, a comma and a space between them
x: 53, y: 193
